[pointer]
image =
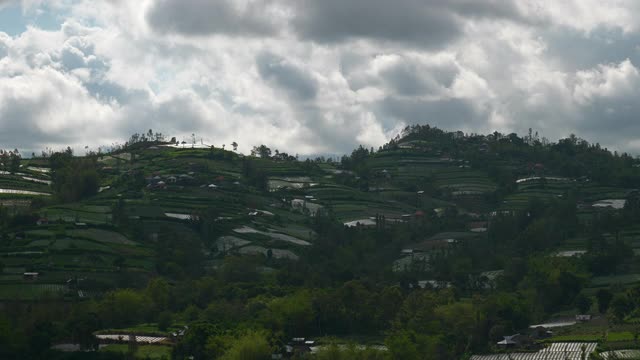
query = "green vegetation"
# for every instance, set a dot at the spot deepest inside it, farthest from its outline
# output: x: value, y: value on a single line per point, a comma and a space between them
x: 159, y: 352
x: 462, y: 239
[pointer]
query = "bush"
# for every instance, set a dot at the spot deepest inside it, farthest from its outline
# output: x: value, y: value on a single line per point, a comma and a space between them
x: 164, y: 320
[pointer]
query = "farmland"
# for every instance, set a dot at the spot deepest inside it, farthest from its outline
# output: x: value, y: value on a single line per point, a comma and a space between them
x: 446, y: 228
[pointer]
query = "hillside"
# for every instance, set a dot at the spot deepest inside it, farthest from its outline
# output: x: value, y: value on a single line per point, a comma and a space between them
x: 482, y: 235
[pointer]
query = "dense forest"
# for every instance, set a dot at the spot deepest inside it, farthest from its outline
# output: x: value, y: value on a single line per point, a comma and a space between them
x: 434, y: 246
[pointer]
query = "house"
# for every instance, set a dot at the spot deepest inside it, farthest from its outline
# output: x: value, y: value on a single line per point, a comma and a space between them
x: 478, y: 226
x: 583, y: 318
x: 511, y: 341
x: 489, y: 279
x: 432, y: 284
x: 435, y: 244
x: 407, y: 251
x: 299, y: 346
x: 440, y: 212
x: 297, y: 204
x: 30, y: 275
x: 541, y: 332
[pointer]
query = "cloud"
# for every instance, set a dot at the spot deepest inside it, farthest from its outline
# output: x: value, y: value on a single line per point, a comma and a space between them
x: 290, y: 78
x: 45, y: 108
x: 429, y: 23
x: 607, y: 96
x: 205, y: 17
x: 319, y: 76
x: 4, y: 45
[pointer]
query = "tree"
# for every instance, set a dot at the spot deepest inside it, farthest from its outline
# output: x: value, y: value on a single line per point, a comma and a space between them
x: 14, y: 161
x: 402, y: 347
x: 620, y: 307
x: 292, y: 314
x: 263, y: 151
x: 583, y: 303
x: 604, y: 299
x: 195, y: 343
x: 40, y: 338
x: 73, y: 178
x: 159, y: 293
x: 251, y: 346
x: 164, y: 320
x: 123, y: 307
x: 235, y: 146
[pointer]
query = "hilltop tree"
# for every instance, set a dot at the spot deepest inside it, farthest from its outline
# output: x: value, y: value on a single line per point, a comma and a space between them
x: 235, y: 146
x: 263, y: 151
x: 14, y: 161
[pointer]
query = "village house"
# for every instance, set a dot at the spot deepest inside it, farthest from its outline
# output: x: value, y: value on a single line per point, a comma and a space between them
x: 512, y: 341
x: 478, y: 226
x: 299, y: 346
x: 30, y: 275
x: 583, y: 317
x: 430, y: 284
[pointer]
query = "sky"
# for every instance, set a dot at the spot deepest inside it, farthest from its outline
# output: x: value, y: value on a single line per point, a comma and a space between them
x: 316, y: 76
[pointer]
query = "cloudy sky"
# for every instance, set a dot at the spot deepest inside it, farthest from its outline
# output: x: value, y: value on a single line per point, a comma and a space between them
x: 316, y: 76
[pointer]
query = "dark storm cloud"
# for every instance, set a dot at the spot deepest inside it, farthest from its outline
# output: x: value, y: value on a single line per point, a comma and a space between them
x: 430, y: 23
x: 427, y: 23
x: 411, y: 79
x: 293, y: 80
x: 207, y: 17
x: 577, y: 51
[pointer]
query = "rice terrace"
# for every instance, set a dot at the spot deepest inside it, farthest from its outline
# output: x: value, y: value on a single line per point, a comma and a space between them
x: 319, y: 180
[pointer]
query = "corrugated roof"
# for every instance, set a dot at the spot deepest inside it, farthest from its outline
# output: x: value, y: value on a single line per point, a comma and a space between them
x: 556, y: 351
x: 621, y: 354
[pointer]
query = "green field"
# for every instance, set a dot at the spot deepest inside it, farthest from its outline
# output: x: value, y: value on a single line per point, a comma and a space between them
x: 143, y: 351
x: 30, y: 291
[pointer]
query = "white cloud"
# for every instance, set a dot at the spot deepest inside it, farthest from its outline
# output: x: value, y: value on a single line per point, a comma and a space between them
x: 607, y: 81
x: 272, y: 72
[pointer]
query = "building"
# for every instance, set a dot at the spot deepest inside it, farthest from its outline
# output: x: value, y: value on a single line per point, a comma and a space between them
x: 559, y: 351
x: 583, y: 318
x: 30, y: 275
x: 510, y: 341
x: 299, y: 346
